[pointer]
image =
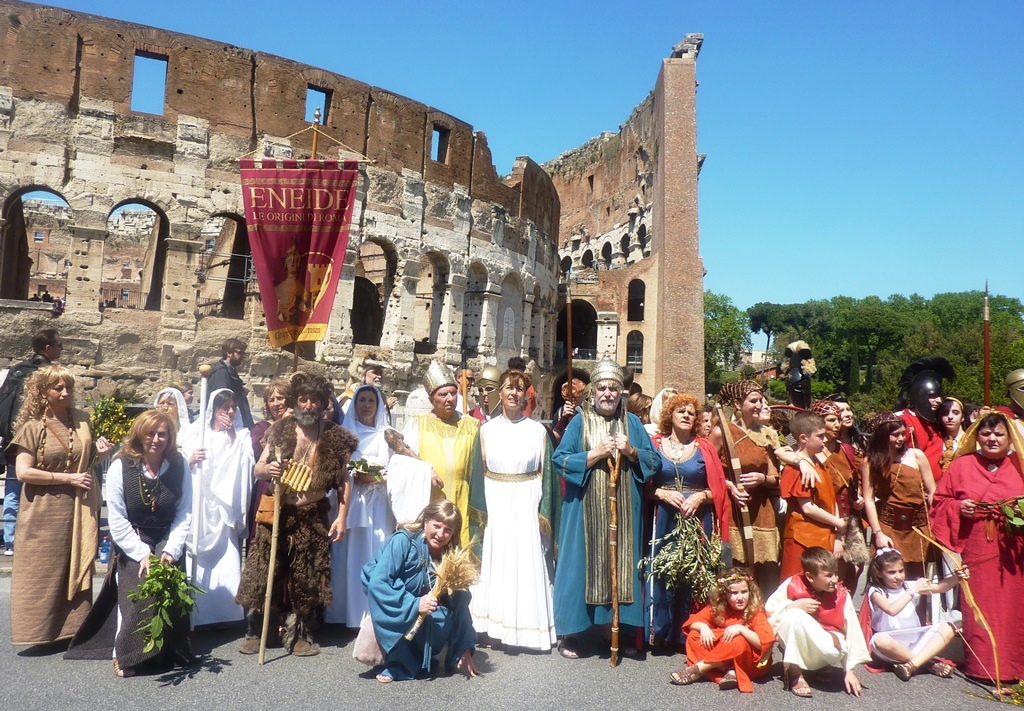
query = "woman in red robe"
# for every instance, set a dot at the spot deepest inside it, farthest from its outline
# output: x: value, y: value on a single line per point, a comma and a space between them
x: 965, y: 518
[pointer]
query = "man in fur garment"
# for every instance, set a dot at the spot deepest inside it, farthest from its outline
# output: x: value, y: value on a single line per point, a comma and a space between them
x: 302, y: 578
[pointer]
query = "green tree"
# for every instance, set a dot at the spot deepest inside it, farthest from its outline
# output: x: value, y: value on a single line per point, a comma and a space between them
x: 726, y: 335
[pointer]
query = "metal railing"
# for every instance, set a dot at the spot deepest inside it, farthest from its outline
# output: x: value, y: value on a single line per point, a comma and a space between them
x: 122, y: 299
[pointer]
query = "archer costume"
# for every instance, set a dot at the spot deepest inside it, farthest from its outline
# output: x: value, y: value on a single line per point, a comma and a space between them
x: 746, y: 661
x: 302, y: 578
x: 583, y: 593
x: 901, y: 506
x: 994, y: 556
x: 394, y: 582
x: 801, y: 532
x: 515, y: 500
x: 448, y: 448
x: 809, y: 641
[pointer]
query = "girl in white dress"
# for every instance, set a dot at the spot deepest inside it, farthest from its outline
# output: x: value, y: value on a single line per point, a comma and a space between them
x: 513, y: 498
x: 898, y: 637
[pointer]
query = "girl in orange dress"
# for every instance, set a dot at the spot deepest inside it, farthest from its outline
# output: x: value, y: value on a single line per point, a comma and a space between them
x: 729, y: 641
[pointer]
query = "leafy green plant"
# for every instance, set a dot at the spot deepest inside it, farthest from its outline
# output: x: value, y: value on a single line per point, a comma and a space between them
x: 109, y: 419
x: 688, y: 556
x: 1014, y: 512
x: 172, y: 596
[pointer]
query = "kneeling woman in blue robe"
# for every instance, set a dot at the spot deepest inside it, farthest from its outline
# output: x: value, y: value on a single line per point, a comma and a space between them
x: 398, y: 583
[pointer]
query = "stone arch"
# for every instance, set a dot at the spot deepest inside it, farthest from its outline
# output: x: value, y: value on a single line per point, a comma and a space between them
x: 376, y: 266
x: 477, y: 280
x: 29, y: 255
x: 566, y: 264
x: 587, y: 260
x: 624, y: 246
x: 606, y: 255
x: 430, y: 292
x: 147, y: 292
x: 508, y: 332
x: 637, y: 294
x: 584, y: 332
x: 644, y: 241
x: 635, y: 351
x: 225, y: 268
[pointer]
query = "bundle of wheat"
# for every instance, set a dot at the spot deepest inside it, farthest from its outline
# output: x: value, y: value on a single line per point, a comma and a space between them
x: 457, y: 570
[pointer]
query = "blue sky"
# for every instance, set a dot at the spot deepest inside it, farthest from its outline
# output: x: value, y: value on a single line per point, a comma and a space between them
x: 853, y: 148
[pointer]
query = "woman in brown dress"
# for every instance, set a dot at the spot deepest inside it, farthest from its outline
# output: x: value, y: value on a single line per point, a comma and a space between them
x: 897, y: 486
x: 51, y: 582
x: 755, y: 447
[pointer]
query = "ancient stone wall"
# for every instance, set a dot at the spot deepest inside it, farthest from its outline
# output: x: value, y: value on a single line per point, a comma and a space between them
x: 629, y: 216
x: 66, y: 126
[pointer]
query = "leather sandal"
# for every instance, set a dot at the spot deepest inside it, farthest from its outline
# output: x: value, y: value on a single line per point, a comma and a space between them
x: 122, y: 673
x: 801, y: 688
x: 943, y: 670
x: 568, y: 649
x: 686, y: 676
x: 728, y: 681
x: 904, y: 671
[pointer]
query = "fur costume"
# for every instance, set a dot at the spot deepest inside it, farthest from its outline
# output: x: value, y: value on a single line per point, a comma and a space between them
x: 335, y: 443
x: 302, y: 578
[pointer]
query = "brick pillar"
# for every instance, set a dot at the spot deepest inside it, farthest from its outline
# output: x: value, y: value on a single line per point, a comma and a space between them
x: 679, y: 353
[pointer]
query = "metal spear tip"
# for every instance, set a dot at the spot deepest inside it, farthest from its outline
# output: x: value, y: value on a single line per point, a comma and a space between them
x: 205, y: 370
x: 316, y: 116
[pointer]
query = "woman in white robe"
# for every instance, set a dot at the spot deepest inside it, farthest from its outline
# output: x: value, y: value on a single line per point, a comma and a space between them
x: 512, y: 466
x: 369, y: 521
x: 172, y: 402
x: 222, y: 475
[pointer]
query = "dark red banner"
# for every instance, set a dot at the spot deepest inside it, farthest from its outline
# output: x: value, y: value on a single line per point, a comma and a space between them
x: 298, y: 221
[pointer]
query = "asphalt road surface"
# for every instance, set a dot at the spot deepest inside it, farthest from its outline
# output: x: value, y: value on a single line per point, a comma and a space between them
x: 39, y: 678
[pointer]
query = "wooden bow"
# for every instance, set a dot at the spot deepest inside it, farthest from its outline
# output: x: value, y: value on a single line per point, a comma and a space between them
x: 735, y: 469
x: 957, y: 564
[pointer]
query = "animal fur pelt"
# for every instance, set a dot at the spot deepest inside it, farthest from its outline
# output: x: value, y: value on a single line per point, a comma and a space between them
x: 855, y: 547
x: 303, y: 572
x: 334, y: 448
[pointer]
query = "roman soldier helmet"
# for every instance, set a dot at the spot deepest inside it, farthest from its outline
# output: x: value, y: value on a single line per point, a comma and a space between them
x: 921, y: 381
x: 1015, y: 388
x: 487, y: 382
x: 607, y: 369
x: 798, y: 367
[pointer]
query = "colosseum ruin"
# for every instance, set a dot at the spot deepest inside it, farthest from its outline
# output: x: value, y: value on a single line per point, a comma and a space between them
x: 445, y: 259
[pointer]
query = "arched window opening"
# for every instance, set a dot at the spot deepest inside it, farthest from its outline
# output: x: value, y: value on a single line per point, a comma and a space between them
x: 508, y: 332
x: 641, y: 237
x: 374, y: 280
x: 584, y: 332
x: 137, y: 237
x: 35, y: 255
x: 624, y: 246
x: 566, y: 264
x: 430, y: 291
x: 588, y: 259
x: 606, y: 255
x: 635, y: 306
x: 226, y: 274
x: 635, y: 351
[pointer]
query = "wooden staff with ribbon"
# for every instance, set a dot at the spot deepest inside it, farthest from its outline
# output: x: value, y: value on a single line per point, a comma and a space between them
x: 735, y: 469
x: 956, y: 563
x: 613, y: 543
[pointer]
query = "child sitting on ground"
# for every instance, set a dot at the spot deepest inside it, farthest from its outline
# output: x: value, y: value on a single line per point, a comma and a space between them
x: 816, y: 625
x: 898, y: 637
x: 730, y: 640
x: 812, y: 518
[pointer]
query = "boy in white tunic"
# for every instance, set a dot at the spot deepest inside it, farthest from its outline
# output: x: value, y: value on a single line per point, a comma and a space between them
x: 816, y: 625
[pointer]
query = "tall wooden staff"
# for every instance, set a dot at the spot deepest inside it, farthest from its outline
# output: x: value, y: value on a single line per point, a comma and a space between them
x: 464, y: 390
x: 197, y: 491
x: 735, y: 469
x: 568, y: 333
x: 613, y: 544
x: 988, y: 402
